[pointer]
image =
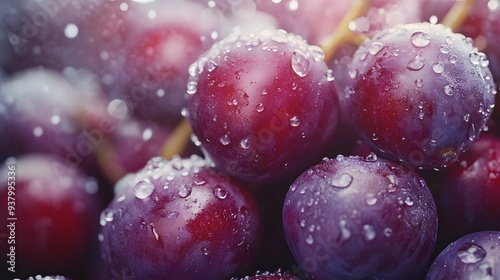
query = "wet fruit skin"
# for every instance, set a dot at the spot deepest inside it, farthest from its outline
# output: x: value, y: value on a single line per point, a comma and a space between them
x: 421, y: 94
x: 473, y: 256
x: 353, y: 217
x: 468, y: 198
x: 180, y: 219
x: 253, y: 96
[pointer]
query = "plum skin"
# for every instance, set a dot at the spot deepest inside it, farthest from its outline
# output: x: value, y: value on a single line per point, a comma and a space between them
x: 339, y: 233
x: 195, y: 224
x: 248, y: 106
x: 422, y: 103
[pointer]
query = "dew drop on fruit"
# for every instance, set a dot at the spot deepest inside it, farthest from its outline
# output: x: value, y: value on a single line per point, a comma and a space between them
x: 55, y: 119
x: 220, y: 192
x: 344, y: 231
x: 205, y: 251
x: 474, y: 58
x: 376, y: 47
x: 453, y: 59
x: 387, y: 232
x: 184, y: 191
x: 408, y: 201
x: 191, y: 87
x: 71, y: 31
x: 260, y: 108
x: 309, y: 240
x: 106, y: 217
x: 294, y: 121
x: 445, y: 49
x: 371, y: 200
x: 438, y: 67
x: 471, y: 253
x: 157, y: 237
x: 225, y: 140
x: 143, y: 189
x: 419, y: 83
x: 329, y: 75
x: 371, y: 157
x: 245, y: 143
x: 417, y: 63
x: 353, y: 73
x: 172, y: 215
x: 420, y: 39
x: 369, y: 232
x: 343, y: 180
x: 300, y: 63
x: 448, y: 90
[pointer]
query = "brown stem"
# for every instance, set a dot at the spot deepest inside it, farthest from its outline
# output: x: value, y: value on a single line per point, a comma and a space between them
x: 178, y: 140
x: 343, y: 34
x: 458, y: 13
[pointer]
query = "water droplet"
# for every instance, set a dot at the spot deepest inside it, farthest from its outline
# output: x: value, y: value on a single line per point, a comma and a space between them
x: 106, y: 217
x: 363, y: 56
x: 467, y: 118
x: 419, y: 83
x: 387, y: 232
x: 143, y: 189
x: 225, y: 140
x: 316, y: 52
x: 417, y: 63
x: 264, y: 92
x: 420, y: 39
x: 374, y: 137
x: 300, y: 63
x: 438, y: 67
x: 448, y: 90
x: 38, y: 131
x: 184, y: 191
x: 172, y: 215
x: 471, y: 253
x: 294, y: 121
x: 369, y: 232
x: 309, y: 240
x: 211, y: 65
x: 118, y: 109
x: 293, y: 5
x: 371, y: 200
x: 408, y: 201
x: 191, y: 87
x: 147, y: 134
x: 303, y: 223
x: 220, y: 192
x: 260, y: 108
x: 448, y: 39
x: 453, y: 59
x: 205, y: 251
x: 329, y: 75
x: 376, y: 47
x: 159, y: 241
x: 474, y: 58
x: 345, y: 232
x: 445, y: 49
x: 343, y: 180
x: 71, y: 31
x: 353, y: 73
x: 371, y: 157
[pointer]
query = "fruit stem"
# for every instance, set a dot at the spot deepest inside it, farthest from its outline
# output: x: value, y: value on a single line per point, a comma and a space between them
x: 178, y: 140
x: 458, y: 13
x: 343, y: 34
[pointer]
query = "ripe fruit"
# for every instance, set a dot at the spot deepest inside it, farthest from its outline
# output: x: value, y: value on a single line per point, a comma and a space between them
x: 180, y: 219
x: 263, y: 106
x: 421, y: 94
x: 360, y: 218
x: 474, y: 256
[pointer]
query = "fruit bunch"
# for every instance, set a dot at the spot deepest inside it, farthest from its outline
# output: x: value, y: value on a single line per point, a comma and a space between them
x: 249, y: 139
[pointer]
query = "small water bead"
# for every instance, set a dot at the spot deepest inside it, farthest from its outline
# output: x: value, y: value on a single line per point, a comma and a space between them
x: 371, y: 200
x: 71, y: 31
x: 448, y: 90
x: 106, y: 217
x: 417, y: 63
x: 474, y: 58
x: 453, y: 59
x: 448, y: 39
x: 343, y: 180
x: 369, y: 232
x: 211, y: 65
x: 445, y: 49
x: 225, y: 140
x: 294, y: 121
x: 408, y: 201
x: 371, y: 157
x: 143, y: 189
x: 329, y: 75
x: 353, y: 73
x: 220, y: 192
x: 375, y: 48
x: 205, y: 251
x: 345, y: 232
x: 260, y: 108
x: 303, y: 223
x: 471, y: 253
x: 419, y: 83
x: 264, y: 92
x: 387, y: 232
x: 184, y: 191
x: 55, y: 119
x: 293, y: 5
x: 38, y: 131
x: 438, y: 67
x: 420, y: 39
x: 300, y: 63
x: 467, y: 118
x: 309, y: 240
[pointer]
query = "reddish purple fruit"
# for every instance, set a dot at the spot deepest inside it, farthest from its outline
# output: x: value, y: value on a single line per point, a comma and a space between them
x: 474, y: 256
x: 360, y: 218
x: 421, y: 94
x: 263, y: 106
x: 180, y: 219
